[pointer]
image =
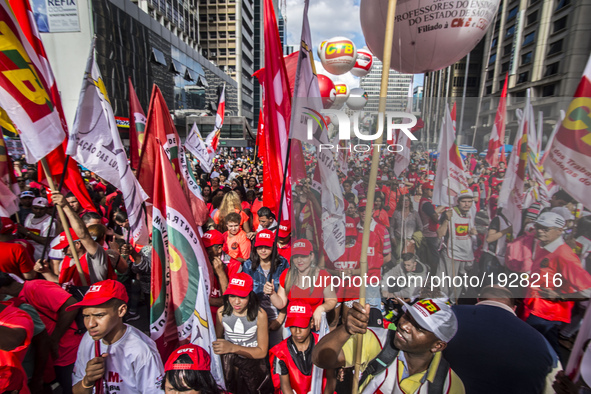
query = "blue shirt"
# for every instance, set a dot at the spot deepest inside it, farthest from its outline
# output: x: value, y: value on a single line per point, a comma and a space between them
x: 259, y: 278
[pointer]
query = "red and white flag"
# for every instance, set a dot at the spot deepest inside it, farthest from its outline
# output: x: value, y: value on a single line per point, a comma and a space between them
x: 450, y: 178
x: 213, y: 139
x: 137, y: 127
x: 497, y: 136
x: 512, y: 196
x: 569, y: 160
x: 277, y: 115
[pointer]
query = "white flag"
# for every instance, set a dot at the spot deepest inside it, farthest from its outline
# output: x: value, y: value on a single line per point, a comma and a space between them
x: 450, y: 178
x: 402, y: 159
x: 194, y: 144
x: 95, y: 143
x: 307, y: 100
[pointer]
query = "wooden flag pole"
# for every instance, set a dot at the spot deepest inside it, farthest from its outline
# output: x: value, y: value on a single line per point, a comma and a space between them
x: 372, y: 178
x: 65, y: 223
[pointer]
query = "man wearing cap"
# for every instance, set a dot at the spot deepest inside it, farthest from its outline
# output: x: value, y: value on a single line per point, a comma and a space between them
x: 26, y: 200
x: 457, y: 255
x: 36, y: 226
x: 405, y: 361
x: 430, y: 218
x: 113, y: 355
x: 93, y: 258
x: 291, y: 361
x: 15, y: 258
x: 550, y: 304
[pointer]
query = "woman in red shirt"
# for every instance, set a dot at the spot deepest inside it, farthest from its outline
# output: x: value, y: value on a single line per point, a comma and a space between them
x: 304, y: 281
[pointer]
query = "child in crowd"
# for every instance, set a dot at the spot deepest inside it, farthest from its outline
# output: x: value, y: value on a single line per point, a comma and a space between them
x: 243, y: 338
x: 188, y: 371
x: 291, y: 360
x: 237, y: 244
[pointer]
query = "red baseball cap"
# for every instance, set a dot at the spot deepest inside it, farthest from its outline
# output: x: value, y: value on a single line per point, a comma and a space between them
x: 428, y: 185
x: 362, y: 203
x: 8, y: 226
x: 212, y: 237
x: 299, y: 314
x: 200, y: 360
x: 350, y: 227
x: 240, y: 285
x: 101, y: 292
x: 301, y: 247
x: 64, y: 241
x: 285, y: 228
x: 264, y: 238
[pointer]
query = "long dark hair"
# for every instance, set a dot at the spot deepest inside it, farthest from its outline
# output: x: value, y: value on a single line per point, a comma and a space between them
x: 252, y: 308
x: 400, y: 203
x: 255, y: 259
x: 185, y: 379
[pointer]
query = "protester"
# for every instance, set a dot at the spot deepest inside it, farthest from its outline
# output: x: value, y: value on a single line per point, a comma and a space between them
x: 243, y: 339
x: 236, y: 242
x: 405, y: 227
x: 187, y: 370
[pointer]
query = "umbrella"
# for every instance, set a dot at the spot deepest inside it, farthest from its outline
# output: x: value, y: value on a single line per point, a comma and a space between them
x: 466, y: 149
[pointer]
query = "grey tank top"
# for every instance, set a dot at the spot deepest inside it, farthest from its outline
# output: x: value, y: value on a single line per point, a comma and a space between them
x: 240, y: 331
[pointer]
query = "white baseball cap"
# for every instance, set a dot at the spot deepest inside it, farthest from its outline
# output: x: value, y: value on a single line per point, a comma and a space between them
x: 434, y: 315
x: 564, y: 212
x: 465, y: 194
x: 550, y: 219
x: 40, y: 202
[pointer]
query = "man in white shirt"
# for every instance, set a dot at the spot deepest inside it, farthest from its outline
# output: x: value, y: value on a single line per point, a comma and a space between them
x: 118, y: 357
x: 36, y: 226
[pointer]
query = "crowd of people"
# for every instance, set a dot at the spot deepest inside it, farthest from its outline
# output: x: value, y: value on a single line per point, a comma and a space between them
x: 278, y: 314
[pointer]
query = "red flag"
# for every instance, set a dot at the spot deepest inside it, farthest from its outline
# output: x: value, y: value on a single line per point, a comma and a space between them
x: 56, y: 158
x: 277, y: 115
x: 497, y: 136
x: 137, y: 127
x: 260, y: 136
x: 569, y: 160
x: 159, y: 126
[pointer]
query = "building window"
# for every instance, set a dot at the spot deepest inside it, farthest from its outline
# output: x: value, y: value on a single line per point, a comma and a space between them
x: 232, y: 34
x: 203, y: 18
x: 222, y: 34
x: 232, y: 17
x: 510, y: 31
x: 501, y: 84
x: 223, y: 52
x: 213, y: 34
x: 490, y: 74
x: 492, y: 59
x: 523, y: 77
x: 528, y: 39
x: 548, y: 90
x: 505, y: 67
x: 222, y: 17
x: 232, y: 51
x: 526, y: 58
x: 555, y: 48
x: 551, y: 69
x: 512, y: 13
x: 560, y: 24
x: 561, y: 4
x: 507, y: 49
x: 489, y: 89
x: 531, y: 18
x: 203, y: 35
x: 157, y: 57
x: 493, y: 43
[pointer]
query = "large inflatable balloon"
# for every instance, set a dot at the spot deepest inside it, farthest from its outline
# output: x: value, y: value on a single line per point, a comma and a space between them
x: 428, y: 34
x: 342, y: 94
x: 357, y: 99
x: 320, y: 48
x: 363, y: 64
x: 327, y: 90
x: 338, y: 55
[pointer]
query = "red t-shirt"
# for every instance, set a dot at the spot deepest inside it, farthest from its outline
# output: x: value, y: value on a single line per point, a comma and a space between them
x: 13, y: 317
x: 47, y: 298
x: 14, y: 259
x: 285, y: 251
x: 316, y: 298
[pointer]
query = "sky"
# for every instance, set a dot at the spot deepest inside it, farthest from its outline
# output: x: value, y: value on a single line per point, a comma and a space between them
x: 329, y: 18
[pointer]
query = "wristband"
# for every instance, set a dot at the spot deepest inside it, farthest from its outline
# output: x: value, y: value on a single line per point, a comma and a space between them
x: 86, y: 387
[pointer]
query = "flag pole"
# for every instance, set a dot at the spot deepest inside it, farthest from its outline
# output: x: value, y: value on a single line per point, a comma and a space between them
x: 372, y: 179
x: 65, y: 223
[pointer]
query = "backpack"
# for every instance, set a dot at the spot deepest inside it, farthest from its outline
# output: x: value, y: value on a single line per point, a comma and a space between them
x: 388, y: 355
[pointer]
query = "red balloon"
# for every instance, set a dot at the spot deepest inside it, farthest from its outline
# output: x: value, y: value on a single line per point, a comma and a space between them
x: 327, y: 91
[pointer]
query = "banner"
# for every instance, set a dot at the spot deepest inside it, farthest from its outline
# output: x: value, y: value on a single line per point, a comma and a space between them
x: 25, y: 90
x: 95, y: 143
x: 194, y: 144
x: 56, y: 16
x: 180, y: 267
x: 569, y: 160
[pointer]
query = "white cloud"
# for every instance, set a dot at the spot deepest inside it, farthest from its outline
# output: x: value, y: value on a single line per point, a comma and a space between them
x: 328, y: 18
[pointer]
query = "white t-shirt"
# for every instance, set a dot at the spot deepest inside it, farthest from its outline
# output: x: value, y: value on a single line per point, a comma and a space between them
x: 39, y: 226
x: 132, y: 367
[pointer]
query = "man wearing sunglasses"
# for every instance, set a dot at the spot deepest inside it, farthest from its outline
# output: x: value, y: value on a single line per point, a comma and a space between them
x: 556, y: 280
